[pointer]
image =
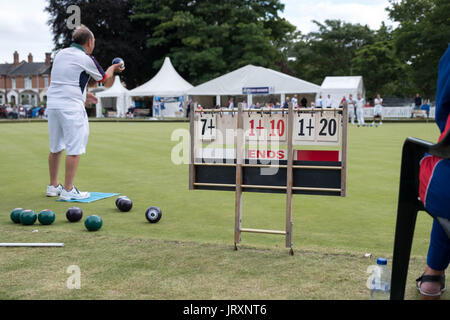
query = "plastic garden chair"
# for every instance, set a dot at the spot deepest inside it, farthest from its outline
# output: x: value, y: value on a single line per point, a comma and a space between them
x: 408, y: 206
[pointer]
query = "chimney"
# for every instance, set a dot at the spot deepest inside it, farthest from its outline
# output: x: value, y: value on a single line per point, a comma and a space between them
x: 48, y: 58
x: 30, y: 58
x: 16, y: 58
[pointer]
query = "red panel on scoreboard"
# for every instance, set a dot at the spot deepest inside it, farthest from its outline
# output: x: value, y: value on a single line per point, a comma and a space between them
x: 317, y: 155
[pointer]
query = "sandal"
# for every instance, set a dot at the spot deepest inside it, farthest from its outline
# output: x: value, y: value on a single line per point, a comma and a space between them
x: 427, y: 278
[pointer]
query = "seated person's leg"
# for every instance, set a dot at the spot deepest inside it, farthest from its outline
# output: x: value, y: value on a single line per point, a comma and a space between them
x: 438, y: 256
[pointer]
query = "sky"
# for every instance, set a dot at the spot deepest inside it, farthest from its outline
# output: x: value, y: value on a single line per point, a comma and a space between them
x: 23, y: 23
x: 301, y: 13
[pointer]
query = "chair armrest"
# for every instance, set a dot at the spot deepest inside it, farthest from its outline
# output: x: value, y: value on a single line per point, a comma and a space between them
x: 442, y: 148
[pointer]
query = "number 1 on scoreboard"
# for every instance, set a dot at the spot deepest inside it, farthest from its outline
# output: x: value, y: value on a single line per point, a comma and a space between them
x: 304, y: 127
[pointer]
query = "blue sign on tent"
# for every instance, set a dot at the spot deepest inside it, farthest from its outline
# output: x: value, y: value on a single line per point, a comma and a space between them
x: 257, y: 90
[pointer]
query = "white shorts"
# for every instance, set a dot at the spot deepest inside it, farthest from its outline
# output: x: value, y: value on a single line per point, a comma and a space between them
x: 377, y: 111
x: 68, y: 130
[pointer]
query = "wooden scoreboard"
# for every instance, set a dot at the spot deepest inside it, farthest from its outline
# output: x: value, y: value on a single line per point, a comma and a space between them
x: 291, y: 151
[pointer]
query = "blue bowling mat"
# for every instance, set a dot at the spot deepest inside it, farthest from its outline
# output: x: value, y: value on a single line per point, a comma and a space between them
x: 94, y: 197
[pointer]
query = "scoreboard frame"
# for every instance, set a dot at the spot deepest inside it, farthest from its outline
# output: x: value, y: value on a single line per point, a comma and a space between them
x: 294, y: 176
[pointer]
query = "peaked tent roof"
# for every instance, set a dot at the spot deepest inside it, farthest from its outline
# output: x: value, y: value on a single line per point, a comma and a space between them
x: 117, y: 89
x: 253, y: 76
x: 350, y: 82
x: 167, y: 82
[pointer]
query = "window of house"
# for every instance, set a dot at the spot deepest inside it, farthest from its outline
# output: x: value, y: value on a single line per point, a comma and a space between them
x: 28, y: 83
x: 13, y: 83
x: 45, y: 81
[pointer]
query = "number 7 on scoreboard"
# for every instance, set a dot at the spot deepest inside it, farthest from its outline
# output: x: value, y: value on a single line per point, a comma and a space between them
x: 207, y: 126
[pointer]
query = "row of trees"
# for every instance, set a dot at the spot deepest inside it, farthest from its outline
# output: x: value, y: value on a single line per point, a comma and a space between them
x: 207, y: 38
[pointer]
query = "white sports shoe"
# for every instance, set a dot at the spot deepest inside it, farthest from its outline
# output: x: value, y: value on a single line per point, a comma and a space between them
x: 73, y: 194
x: 54, y: 191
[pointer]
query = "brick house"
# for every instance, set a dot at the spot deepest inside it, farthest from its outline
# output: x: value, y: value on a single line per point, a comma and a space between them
x: 25, y: 82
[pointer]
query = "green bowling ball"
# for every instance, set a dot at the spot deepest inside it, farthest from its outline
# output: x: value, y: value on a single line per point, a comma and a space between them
x: 46, y: 217
x: 15, y: 215
x: 28, y: 217
x: 93, y: 223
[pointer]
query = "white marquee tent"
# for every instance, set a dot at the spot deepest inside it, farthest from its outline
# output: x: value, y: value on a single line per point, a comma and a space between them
x: 250, y: 76
x: 338, y: 87
x: 121, y: 95
x: 167, y: 84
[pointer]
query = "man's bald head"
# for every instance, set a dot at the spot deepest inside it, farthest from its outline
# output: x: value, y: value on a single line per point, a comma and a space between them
x: 82, y: 35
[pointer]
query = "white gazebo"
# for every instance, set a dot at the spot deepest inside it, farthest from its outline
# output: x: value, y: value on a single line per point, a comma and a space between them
x: 338, y: 87
x: 119, y: 96
x: 166, y: 84
x: 252, y: 80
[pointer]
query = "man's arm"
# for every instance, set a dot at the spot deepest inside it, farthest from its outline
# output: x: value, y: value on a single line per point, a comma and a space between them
x: 91, y: 98
x: 109, y: 74
x: 93, y: 68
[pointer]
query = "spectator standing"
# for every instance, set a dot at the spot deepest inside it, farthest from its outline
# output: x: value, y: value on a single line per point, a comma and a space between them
x: 417, y: 101
x: 304, y: 102
x: 188, y: 108
x: 162, y: 107
x: 377, y: 110
x: 15, y: 112
x: 230, y: 105
x: 9, y: 111
x: 417, y: 104
x: 294, y: 101
x: 286, y: 103
x: 351, y: 108
x: 319, y: 102
x: 343, y: 102
x: 329, y: 102
x: 360, y: 110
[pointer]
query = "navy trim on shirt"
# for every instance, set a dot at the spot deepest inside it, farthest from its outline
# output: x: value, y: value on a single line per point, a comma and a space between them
x: 84, y: 78
x: 99, y: 68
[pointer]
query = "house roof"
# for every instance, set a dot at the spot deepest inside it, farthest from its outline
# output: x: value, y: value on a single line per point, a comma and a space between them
x: 5, y: 67
x: 24, y: 69
x: 27, y: 68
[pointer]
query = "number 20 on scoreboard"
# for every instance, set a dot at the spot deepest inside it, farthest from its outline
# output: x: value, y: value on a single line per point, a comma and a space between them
x: 317, y: 127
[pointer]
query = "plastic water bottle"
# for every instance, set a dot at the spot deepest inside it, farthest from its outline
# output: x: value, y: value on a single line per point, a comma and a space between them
x: 380, y: 287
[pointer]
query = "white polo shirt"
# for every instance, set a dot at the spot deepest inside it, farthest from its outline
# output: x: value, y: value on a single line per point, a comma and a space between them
x: 71, y: 70
x: 360, y: 103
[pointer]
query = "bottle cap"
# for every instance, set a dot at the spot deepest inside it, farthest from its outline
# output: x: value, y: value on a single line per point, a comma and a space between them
x: 382, y: 261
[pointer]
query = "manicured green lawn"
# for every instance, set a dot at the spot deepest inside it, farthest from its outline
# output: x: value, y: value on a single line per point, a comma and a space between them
x: 188, y: 254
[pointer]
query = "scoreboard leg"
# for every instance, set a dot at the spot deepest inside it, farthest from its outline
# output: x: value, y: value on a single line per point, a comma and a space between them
x: 289, y: 182
x: 239, y: 161
x: 192, y: 150
x: 238, y: 219
x: 344, y: 152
